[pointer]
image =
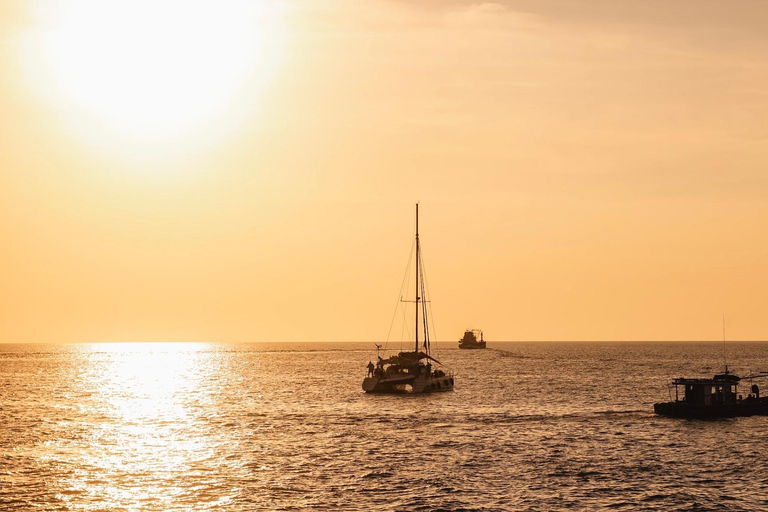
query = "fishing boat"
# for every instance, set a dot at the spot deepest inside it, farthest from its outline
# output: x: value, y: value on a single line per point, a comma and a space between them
x: 717, y: 397
x: 470, y: 339
x: 411, y: 371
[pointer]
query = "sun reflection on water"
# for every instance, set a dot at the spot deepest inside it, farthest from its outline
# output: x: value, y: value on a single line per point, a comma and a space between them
x: 140, y: 381
x: 145, y: 402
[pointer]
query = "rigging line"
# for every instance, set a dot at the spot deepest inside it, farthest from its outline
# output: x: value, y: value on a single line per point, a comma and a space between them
x: 424, y: 305
x: 430, y: 310
x: 406, y: 325
x: 405, y: 329
x: 405, y: 334
x: 402, y: 288
x: 427, y: 308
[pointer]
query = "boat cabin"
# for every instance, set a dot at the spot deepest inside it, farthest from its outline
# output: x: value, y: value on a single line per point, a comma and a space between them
x: 470, y: 339
x: 719, y: 390
x: 713, y: 398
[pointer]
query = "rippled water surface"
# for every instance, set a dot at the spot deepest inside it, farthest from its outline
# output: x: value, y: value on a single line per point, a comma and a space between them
x: 530, y: 426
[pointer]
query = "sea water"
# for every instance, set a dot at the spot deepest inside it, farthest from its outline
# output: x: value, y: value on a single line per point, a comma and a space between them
x: 529, y: 426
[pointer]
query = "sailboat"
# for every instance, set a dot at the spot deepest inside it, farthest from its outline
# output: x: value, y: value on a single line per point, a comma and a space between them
x: 411, y: 371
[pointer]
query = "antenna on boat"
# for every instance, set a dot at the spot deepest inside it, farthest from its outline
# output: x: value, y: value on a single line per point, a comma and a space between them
x: 725, y: 361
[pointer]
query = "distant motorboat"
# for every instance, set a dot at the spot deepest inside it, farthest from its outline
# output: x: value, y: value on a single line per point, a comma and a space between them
x: 714, y: 398
x: 470, y: 339
x: 411, y: 371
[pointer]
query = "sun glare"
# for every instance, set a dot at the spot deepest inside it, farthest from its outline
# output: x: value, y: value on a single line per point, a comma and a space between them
x: 142, y: 395
x: 143, y: 377
x: 157, y: 68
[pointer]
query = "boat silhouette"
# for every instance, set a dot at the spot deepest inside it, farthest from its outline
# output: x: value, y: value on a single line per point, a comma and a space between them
x: 411, y: 371
x: 717, y: 397
x: 470, y: 339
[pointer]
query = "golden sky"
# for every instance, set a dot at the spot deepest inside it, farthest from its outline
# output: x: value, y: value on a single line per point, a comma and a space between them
x: 246, y: 171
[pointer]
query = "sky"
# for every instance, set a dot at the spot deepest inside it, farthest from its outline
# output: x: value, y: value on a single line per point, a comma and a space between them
x: 247, y: 171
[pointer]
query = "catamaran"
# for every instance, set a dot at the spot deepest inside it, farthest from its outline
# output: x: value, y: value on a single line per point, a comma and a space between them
x: 411, y: 371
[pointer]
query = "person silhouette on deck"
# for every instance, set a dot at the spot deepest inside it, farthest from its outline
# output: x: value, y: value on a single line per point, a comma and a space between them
x: 370, y: 369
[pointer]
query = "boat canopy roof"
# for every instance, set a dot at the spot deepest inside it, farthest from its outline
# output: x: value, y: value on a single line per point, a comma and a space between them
x: 417, y: 356
x: 717, y: 380
x: 409, y: 357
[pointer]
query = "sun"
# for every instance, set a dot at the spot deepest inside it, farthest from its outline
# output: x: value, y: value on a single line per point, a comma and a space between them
x: 157, y: 68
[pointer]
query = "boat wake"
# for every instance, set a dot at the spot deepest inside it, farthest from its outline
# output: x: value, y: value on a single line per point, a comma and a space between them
x: 502, y: 418
x: 509, y: 353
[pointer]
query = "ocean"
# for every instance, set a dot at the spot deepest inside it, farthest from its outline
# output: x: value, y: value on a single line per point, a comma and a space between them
x: 269, y: 426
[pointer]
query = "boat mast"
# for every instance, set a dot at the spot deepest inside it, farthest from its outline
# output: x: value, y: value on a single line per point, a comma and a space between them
x: 416, y: 350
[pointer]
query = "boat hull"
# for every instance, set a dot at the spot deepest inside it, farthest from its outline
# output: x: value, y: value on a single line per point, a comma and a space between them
x: 686, y: 410
x: 387, y: 384
x: 408, y: 384
x: 472, y: 345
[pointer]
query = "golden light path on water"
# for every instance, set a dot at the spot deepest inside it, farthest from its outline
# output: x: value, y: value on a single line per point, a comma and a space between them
x: 146, y: 403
